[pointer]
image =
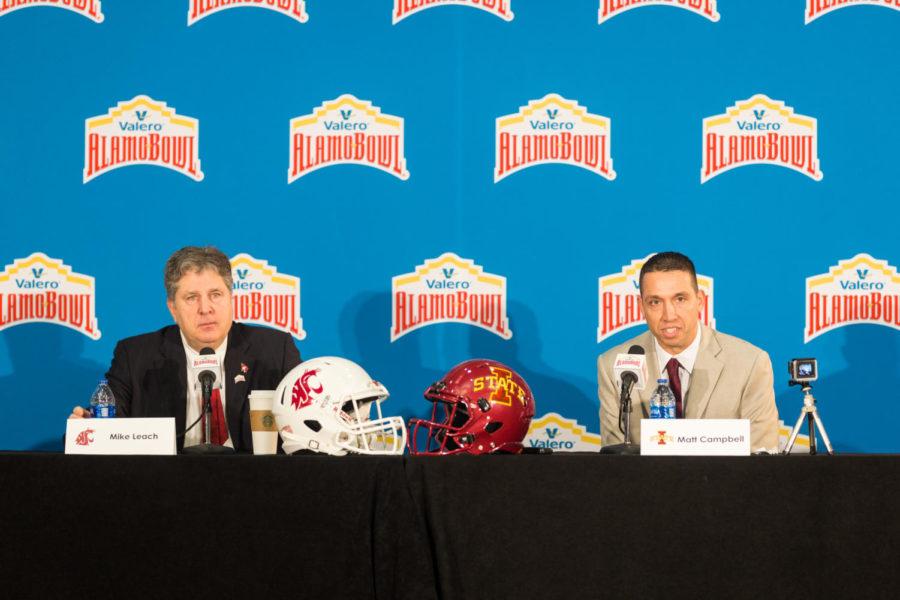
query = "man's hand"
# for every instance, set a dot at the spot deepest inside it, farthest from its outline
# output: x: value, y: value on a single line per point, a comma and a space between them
x: 80, y: 413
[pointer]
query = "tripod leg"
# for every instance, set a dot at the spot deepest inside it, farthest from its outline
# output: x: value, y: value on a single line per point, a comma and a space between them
x: 794, y: 432
x: 822, y: 431
x: 811, y: 425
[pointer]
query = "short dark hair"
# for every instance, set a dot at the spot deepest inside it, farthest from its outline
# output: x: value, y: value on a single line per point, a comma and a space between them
x: 195, y: 259
x: 669, y: 261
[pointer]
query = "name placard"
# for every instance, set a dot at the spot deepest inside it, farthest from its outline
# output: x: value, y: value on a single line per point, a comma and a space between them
x: 120, y: 436
x: 695, y: 437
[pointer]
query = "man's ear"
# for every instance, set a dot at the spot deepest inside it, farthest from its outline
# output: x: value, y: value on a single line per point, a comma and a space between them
x: 701, y: 297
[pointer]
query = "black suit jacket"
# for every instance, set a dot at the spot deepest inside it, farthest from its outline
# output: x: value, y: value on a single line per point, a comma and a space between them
x: 148, y: 375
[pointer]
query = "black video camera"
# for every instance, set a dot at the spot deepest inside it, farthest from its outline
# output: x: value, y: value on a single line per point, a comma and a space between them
x: 803, y: 370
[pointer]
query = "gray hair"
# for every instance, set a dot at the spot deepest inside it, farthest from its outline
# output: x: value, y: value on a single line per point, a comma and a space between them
x: 195, y: 259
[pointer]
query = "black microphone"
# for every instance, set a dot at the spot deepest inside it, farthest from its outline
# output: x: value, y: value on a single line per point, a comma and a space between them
x: 629, y: 377
x: 207, y: 378
x: 631, y: 370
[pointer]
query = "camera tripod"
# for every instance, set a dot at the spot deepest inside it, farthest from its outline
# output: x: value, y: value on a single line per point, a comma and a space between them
x: 812, y: 419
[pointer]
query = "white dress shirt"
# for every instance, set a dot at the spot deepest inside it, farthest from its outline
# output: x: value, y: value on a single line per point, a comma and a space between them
x: 195, y: 397
x: 686, y: 360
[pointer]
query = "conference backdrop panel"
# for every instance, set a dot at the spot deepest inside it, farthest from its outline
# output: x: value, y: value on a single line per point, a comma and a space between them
x: 410, y: 184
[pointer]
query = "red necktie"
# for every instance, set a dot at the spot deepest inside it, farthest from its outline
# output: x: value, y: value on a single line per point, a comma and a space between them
x: 675, y: 384
x: 218, y: 428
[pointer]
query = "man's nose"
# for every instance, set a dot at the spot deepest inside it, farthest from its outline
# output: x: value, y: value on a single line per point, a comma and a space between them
x: 668, y: 311
x: 206, y: 306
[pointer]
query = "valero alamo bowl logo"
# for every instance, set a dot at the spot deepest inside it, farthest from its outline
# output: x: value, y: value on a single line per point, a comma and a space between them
x: 620, y: 300
x: 86, y: 8
x: 346, y: 131
x: 553, y: 130
x: 498, y: 8
x: 199, y: 9
x: 612, y: 8
x: 858, y: 290
x: 263, y: 296
x: 141, y: 131
x: 557, y: 433
x: 818, y: 8
x: 40, y: 289
x: 449, y: 289
x: 760, y: 131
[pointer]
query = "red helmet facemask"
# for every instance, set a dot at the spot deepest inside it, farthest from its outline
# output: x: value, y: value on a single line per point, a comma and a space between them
x: 479, y: 407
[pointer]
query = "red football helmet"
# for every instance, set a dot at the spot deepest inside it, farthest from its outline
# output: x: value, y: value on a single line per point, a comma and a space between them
x: 479, y: 407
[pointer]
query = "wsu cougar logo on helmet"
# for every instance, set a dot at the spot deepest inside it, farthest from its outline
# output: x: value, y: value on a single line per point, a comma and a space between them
x: 301, y: 394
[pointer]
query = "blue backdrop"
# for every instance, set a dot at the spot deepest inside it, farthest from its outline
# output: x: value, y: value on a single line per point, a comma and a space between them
x: 551, y: 230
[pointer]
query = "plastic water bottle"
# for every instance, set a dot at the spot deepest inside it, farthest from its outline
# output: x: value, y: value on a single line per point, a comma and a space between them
x: 662, y: 403
x: 667, y: 405
x: 103, y: 403
x: 656, y: 399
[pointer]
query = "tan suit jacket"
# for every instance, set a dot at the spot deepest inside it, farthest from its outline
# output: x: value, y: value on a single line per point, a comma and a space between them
x: 731, y: 379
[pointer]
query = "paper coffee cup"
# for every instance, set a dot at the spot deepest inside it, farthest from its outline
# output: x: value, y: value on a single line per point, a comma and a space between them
x: 262, y: 422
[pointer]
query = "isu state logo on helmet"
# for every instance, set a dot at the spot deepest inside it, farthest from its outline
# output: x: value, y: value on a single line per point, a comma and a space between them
x: 480, y: 406
x: 325, y: 405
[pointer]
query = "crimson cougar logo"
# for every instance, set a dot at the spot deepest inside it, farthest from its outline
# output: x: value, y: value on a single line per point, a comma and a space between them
x: 85, y: 438
x: 303, y: 390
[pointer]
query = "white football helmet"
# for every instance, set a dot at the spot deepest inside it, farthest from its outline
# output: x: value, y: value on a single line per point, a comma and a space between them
x: 324, y: 405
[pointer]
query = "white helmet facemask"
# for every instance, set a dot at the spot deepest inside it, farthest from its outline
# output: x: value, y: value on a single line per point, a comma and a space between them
x: 381, y: 435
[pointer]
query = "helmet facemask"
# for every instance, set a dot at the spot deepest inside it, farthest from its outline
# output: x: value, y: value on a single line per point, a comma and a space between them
x: 361, y: 434
x: 442, y: 429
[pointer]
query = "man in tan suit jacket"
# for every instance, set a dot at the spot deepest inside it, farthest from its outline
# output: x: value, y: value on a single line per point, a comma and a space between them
x: 725, y: 378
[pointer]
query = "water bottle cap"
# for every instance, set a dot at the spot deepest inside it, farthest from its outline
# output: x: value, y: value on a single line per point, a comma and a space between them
x: 103, y: 382
x: 662, y: 381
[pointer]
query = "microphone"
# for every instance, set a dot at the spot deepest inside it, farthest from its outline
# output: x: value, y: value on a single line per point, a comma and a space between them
x: 631, y: 370
x: 209, y: 363
x: 209, y: 367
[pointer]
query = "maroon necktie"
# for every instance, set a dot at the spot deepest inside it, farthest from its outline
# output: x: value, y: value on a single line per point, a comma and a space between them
x: 675, y: 384
x: 217, y: 427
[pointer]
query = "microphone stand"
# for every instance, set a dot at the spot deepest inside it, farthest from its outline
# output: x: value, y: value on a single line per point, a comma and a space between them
x: 625, y: 424
x: 208, y: 448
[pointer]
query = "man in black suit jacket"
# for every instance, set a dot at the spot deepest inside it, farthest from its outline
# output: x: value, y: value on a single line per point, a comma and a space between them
x: 149, y: 375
